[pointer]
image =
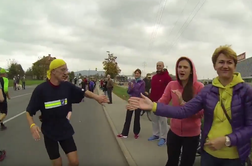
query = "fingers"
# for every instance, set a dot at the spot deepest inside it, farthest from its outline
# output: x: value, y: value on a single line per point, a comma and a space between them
x: 134, y: 103
x: 130, y: 107
x: 144, y: 97
x: 134, y: 99
x: 39, y: 130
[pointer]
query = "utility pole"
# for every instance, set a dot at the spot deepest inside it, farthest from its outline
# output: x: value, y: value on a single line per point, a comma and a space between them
x: 144, y: 65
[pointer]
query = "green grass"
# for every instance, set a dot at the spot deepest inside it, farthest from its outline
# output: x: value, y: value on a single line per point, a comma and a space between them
x: 28, y: 82
x: 121, y: 92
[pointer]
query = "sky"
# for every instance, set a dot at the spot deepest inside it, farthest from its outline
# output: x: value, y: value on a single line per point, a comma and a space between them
x: 139, y: 32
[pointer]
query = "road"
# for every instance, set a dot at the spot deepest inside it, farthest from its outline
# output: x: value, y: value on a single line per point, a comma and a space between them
x: 93, y: 136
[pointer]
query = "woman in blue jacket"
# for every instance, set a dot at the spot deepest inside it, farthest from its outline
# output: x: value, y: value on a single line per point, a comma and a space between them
x: 227, y: 104
x: 136, y: 87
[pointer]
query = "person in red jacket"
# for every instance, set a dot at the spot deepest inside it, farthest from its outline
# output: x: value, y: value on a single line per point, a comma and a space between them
x: 158, y: 84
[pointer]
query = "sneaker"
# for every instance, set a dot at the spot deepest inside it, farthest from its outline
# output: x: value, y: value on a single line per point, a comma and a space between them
x: 136, y: 136
x: 154, y: 137
x: 2, y: 155
x: 161, y: 142
x: 121, y: 136
x: 3, y: 127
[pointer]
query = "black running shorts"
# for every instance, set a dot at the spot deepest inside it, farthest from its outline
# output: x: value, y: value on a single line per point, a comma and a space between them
x: 52, y: 147
x: 3, y: 108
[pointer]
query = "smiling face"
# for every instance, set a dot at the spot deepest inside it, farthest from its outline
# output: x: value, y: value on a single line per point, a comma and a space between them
x: 184, y: 70
x: 160, y: 66
x: 137, y: 74
x: 225, y: 66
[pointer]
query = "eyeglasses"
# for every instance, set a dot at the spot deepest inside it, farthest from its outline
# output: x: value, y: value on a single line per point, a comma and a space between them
x: 64, y: 70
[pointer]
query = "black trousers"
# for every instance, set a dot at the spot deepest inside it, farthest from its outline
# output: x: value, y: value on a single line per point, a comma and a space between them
x: 136, y: 128
x: 110, y: 94
x: 189, y: 148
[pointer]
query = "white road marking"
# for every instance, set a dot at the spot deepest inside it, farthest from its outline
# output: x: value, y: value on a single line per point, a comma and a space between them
x: 20, y: 95
x: 14, y: 117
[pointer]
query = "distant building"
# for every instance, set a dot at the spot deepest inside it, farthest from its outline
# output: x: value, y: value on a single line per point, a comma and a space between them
x: 121, y: 78
x: 90, y: 73
x: 244, y: 66
x: 44, y: 64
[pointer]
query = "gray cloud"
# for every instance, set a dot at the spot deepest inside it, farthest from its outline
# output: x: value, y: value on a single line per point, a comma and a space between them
x: 82, y: 31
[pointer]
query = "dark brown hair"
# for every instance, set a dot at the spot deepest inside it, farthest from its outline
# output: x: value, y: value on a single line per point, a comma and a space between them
x: 138, y: 70
x: 188, y: 92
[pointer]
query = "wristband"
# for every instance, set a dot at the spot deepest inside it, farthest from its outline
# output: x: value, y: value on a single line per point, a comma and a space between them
x: 32, y: 125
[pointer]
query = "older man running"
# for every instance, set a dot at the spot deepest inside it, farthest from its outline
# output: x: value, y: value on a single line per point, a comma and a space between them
x: 54, y: 99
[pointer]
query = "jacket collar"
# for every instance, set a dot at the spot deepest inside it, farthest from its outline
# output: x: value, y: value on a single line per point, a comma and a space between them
x: 215, y: 89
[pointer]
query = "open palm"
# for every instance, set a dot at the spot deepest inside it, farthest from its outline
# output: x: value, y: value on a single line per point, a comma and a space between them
x: 143, y: 103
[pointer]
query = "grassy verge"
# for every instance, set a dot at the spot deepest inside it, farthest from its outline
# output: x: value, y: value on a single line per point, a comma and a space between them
x: 121, y: 92
x: 28, y: 82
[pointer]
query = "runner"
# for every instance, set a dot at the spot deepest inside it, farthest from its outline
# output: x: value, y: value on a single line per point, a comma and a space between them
x: 183, y: 133
x: 2, y: 155
x: 2, y: 98
x: 54, y: 99
x: 227, y: 104
x: 70, y: 111
x: 4, y: 105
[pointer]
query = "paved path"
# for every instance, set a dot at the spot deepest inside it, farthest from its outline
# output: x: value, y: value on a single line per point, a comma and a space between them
x: 140, y: 152
x: 95, y: 142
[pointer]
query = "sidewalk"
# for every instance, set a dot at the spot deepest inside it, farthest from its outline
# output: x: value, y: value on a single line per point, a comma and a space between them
x: 138, y: 152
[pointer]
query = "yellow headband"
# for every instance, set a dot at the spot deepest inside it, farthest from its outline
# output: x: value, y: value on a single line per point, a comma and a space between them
x: 56, y: 63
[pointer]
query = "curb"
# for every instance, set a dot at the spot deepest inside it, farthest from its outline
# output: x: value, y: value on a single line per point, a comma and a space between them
x: 122, y: 146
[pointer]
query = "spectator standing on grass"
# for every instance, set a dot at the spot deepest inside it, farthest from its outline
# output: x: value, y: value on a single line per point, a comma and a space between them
x: 136, y: 87
x: 110, y: 86
x: 158, y: 84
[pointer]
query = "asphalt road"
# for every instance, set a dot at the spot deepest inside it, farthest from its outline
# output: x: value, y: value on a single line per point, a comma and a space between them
x: 93, y: 136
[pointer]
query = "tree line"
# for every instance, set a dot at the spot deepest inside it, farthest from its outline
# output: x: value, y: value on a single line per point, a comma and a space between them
x: 36, y: 71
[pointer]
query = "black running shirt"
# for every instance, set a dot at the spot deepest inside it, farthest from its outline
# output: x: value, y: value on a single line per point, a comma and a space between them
x: 55, y: 102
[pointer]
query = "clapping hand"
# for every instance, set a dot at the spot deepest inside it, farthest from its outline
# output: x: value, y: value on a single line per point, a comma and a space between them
x: 179, y: 95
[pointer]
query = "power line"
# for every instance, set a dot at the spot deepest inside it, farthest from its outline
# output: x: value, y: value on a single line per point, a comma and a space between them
x: 159, y: 18
x: 185, y: 25
x: 174, y: 25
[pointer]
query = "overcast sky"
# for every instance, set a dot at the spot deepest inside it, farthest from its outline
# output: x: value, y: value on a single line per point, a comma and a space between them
x: 81, y: 31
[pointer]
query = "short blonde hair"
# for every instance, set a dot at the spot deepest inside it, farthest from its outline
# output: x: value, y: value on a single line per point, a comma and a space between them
x: 226, y: 50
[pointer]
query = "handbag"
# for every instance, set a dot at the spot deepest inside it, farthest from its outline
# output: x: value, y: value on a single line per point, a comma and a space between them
x: 248, y: 161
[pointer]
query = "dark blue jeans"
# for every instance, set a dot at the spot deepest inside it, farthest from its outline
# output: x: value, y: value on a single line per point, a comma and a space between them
x: 208, y: 160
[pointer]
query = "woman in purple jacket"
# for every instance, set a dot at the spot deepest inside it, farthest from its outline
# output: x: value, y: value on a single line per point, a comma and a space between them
x: 227, y: 104
x: 136, y: 87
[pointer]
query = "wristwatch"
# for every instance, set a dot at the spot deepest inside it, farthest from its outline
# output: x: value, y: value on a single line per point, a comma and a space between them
x: 228, y: 142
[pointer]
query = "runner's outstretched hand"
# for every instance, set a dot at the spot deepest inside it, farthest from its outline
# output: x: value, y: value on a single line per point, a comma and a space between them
x: 102, y: 99
x: 35, y: 130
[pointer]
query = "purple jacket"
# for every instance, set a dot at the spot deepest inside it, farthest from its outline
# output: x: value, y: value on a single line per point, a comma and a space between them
x: 241, y: 108
x: 138, y: 88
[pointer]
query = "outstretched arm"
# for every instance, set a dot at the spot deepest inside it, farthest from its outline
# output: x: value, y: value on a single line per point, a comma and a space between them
x: 180, y: 112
